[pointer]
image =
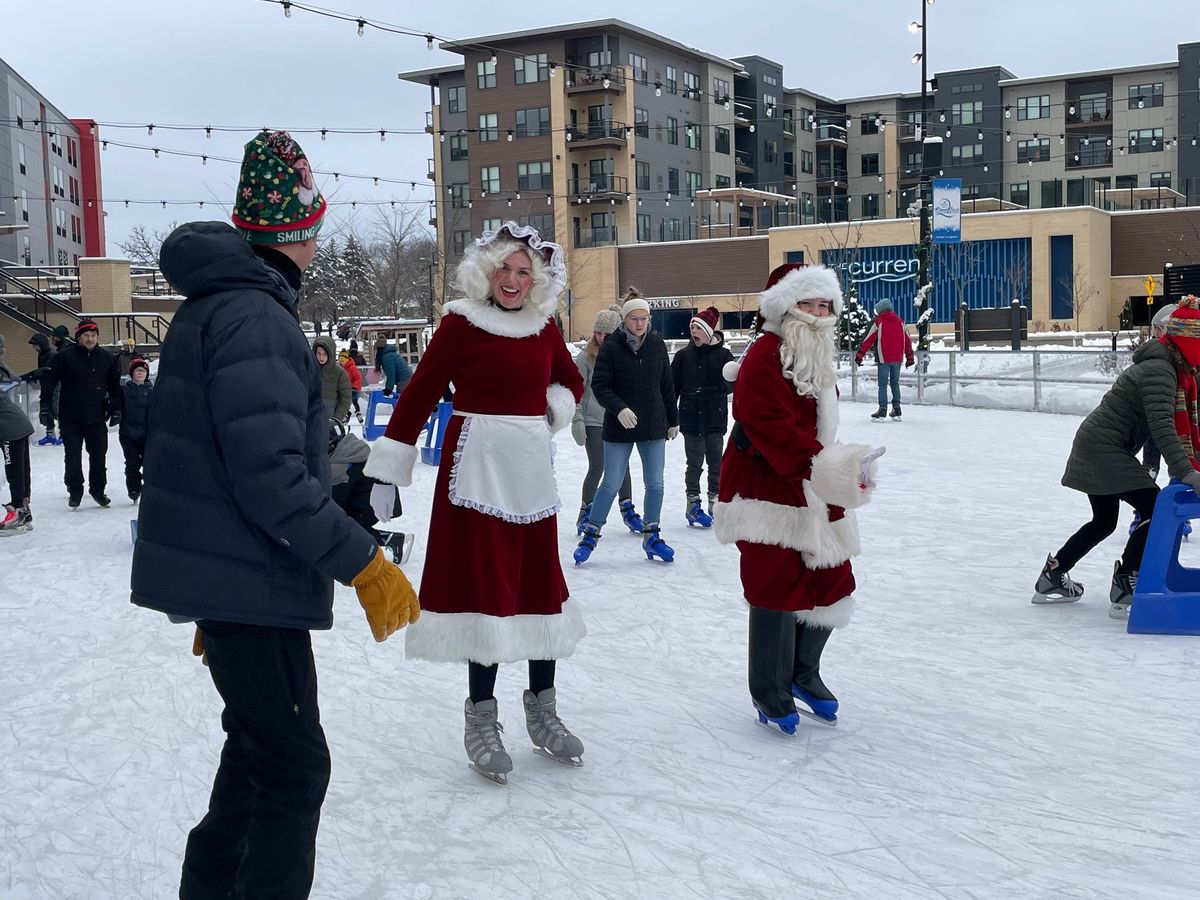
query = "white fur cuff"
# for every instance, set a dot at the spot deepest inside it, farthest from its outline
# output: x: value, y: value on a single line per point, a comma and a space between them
x: 560, y: 406
x: 835, y: 475
x: 837, y: 615
x: 391, y: 461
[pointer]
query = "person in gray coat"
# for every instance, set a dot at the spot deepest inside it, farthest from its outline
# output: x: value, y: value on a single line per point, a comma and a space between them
x: 1140, y: 406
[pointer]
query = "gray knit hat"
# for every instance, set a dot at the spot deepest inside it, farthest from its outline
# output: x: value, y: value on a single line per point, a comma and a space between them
x: 607, y: 321
x: 884, y: 305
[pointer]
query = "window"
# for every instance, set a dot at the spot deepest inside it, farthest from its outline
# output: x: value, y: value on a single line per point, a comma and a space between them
x: 806, y: 119
x: 21, y: 158
x: 1126, y: 181
x: 870, y: 206
x: 461, y: 240
x: 492, y: 224
x: 1160, y: 179
x: 76, y: 228
x: 721, y: 93
x: 543, y: 223
x: 74, y: 186
x: 770, y: 151
x: 72, y: 152
x: 533, y: 122
x: 1052, y: 195
x: 599, y: 58
x: 721, y: 181
x: 1019, y: 193
x: 867, y: 125
x: 966, y: 153
x: 533, y: 176
x: 530, y: 69
x: 489, y: 179
x: 966, y: 88
x: 672, y: 130
x: 672, y: 84
x: 806, y: 162
x: 20, y: 124
x: 912, y: 161
x: 693, y: 183
x: 691, y: 85
x: 789, y: 164
x: 641, y: 122
x: 642, y: 179
x: 485, y: 74
x: 458, y: 147
x: 643, y: 227
x: 672, y: 181
x: 1033, y: 151
x: 60, y: 222
x: 673, y: 229
x: 58, y: 182
x: 488, y: 127
x: 1145, y: 140
x: 1144, y: 96
x: 1033, y: 107
x: 966, y: 113
x: 460, y: 196
x: 24, y: 205
x: 456, y: 100
x: 870, y: 164
x: 769, y: 104
x: 771, y: 80
x: 721, y: 139
x: 638, y: 64
x: 691, y: 136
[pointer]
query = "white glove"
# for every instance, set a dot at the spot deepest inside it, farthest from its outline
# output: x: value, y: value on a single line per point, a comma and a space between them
x: 627, y: 417
x: 579, y: 432
x: 864, y: 467
x: 383, y: 501
x: 672, y: 432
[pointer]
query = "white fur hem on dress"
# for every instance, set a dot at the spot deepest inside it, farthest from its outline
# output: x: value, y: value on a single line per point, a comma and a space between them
x: 477, y: 637
x: 391, y: 461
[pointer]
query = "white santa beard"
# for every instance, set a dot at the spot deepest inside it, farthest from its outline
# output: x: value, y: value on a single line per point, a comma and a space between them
x: 806, y: 351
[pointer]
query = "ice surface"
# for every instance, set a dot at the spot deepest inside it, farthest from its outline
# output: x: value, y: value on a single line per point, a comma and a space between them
x: 985, y: 747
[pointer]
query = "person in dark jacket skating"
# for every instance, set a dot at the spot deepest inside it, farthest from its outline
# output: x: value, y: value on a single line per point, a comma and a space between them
x: 89, y: 404
x: 45, y: 353
x: 236, y: 528
x: 393, y: 367
x: 15, y: 429
x: 632, y: 381
x: 351, y: 490
x: 702, y: 392
x: 335, y: 383
x: 135, y: 421
x: 892, y: 345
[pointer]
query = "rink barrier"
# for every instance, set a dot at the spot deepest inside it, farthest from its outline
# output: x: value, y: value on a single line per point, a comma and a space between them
x: 435, y: 433
x: 1166, y: 598
x: 372, y: 427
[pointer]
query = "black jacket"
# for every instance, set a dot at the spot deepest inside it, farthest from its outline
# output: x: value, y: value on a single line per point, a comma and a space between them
x: 89, y: 385
x: 641, y: 381
x: 135, y: 415
x: 14, y: 424
x: 45, y: 353
x: 235, y: 522
x: 701, y: 387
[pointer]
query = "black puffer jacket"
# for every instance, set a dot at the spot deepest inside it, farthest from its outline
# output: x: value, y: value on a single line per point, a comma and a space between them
x: 89, y: 385
x: 641, y: 381
x: 45, y: 354
x: 701, y: 387
x: 14, y: 424
x: 135, y: 415
x: 236, y: 523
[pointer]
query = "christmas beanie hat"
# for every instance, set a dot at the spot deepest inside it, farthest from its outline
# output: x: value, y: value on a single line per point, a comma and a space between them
x: 1183, y: 329
x: 277, y: 199
x: 706, y: 320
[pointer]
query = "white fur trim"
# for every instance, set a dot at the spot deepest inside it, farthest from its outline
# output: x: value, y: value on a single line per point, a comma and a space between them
x: 730, y: 370
x: 807, y: 530
x: 807, y: 283
x: 836, y: 615
x: 518, y: 323
x: 391, y: 461
x: 560, y: 403
x: 456, y: 637
x: 835, y: 476
x: 828, y: 416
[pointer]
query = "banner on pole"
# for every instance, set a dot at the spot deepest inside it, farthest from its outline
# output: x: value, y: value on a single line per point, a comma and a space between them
x: 947, y: 210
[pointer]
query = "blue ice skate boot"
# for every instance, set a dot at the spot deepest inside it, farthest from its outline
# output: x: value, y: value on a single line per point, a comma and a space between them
x: 807, y: 686
x: 696, y: 514
x: 584, y: 512
x: 783, y: 724
x: 591, y: 534
x: 630, y: 517
x: 654, y: 545
x: 49, y: 440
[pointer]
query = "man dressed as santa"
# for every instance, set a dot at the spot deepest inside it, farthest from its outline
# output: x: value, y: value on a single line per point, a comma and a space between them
x: 786, y: 493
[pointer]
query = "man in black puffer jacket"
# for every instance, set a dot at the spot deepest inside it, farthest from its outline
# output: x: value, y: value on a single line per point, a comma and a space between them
x: 89, y: 393
x: 237, y: 531
x: 45, y: 354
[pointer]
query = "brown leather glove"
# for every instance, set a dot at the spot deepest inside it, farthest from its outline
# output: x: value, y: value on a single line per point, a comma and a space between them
x: 198, y: 646
x: 386, y: 596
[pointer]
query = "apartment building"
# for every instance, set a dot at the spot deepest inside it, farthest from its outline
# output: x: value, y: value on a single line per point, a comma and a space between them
x: 50, y: 194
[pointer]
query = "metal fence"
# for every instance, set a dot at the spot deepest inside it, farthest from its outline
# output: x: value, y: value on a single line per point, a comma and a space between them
x: 25, y: 395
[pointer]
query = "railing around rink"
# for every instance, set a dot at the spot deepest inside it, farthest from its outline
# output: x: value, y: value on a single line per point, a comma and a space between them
x: 1040, y: 380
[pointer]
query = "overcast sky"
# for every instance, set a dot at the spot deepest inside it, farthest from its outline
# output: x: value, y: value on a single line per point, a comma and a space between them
x: 241, y: 62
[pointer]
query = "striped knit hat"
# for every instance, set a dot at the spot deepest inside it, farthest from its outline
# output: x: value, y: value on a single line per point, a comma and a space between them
x: 1183, y: 329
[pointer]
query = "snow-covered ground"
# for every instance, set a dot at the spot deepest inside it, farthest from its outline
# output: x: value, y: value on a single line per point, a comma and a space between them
x: 987, y: 747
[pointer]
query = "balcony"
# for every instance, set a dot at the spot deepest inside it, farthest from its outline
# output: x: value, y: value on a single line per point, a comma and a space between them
x: 605, y: 236
x: 1088, y: 112
x: 430, y: 168
x: 789, y: 126
x: 1090, y: 156
x: 743, y: 161
x: 606, y: 187
x: 433, y: 214
x: 908, y: 131
x: 583, y: 81
x: 831, y: 134
x: 429, y: 121
x: 830, y: 173
x: 604, y: 133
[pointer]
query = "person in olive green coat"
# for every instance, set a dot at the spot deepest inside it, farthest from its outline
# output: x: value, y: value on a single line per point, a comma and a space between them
x: 1140, y: 407
x: 335, y: 383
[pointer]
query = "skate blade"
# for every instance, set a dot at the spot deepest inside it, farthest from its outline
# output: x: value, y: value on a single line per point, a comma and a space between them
x: 8, y: 532
x: 1048, y: 600
x: 1119, y: 611
x: 573, y: 761
x: 785, y: 729
x: 812, y: 715
x: 493, y: 777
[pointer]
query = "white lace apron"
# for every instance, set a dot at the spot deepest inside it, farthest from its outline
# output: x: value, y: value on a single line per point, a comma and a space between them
x: 503, y: 467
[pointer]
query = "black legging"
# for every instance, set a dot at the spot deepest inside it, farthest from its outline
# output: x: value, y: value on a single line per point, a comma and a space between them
x: 482, y: 678
x: 1105, y: 510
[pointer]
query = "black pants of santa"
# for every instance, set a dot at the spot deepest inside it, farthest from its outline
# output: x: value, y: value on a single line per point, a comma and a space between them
x: 259, y: 836
x: 16, y: 470
x: 75, y: 437
x: 135, y: 454
x: 772, y: 660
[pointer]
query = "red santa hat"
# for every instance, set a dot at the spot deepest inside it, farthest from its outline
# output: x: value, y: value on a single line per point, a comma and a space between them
x: 706, y: 320
x: 1183, y: 329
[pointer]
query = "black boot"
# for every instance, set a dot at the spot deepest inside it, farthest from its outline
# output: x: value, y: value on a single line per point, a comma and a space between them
x: 806, y: 673
x: 772, y: 640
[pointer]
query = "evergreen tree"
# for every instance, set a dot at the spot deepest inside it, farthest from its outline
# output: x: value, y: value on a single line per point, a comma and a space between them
x: 322, y: 295
x: 360, y: 290
x: 853, y: 324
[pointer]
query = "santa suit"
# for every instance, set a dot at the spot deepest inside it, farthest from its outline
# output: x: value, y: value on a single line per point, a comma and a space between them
x: 492, y: 589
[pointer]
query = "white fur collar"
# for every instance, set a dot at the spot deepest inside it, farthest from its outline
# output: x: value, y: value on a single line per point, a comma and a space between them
x: 525, y: 322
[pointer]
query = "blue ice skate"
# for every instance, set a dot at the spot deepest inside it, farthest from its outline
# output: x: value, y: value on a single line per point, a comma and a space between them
x: 654, y: 545
x: 822, y: 710
x: 49, y: 440
x: 630, y: 517
x: 696, y: 514
x: 1137, y: 520
x: 783, y: 724
x: 584, y: 512
x: 591, y: 534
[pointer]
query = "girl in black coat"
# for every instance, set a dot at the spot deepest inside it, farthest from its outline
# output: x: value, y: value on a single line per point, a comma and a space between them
x: 135, y: 420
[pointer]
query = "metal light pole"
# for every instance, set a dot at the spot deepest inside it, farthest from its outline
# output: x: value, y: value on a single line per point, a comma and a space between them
x: 925, y: 247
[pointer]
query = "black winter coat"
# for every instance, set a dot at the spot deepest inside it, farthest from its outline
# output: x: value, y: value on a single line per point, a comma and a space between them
x: 89, y: 385
x: 14, y: 424
x: 135, y: 416
x: 701, y: 387
x: 235, y: 522
x: 641, y: 381
x: 45, y: 353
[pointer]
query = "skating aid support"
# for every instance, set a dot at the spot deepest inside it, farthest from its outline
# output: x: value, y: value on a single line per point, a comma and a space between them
x: 1166, y: 599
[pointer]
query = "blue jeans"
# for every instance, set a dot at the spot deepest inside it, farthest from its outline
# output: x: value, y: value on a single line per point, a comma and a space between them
x: 616, y: 465
x: 888, y: 373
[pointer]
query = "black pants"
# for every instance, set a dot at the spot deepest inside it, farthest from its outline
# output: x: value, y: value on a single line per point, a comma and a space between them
x: 259, y: 836
x: 701, y: 448
x: 16, y: 470
x: 74, y: 438
x: 1105, y: 510
x: 482, y: 679
x: 135, y: 454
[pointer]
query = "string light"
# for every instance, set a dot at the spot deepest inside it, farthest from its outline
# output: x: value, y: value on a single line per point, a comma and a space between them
x: 287, y: 8
x: 362, y: 26
x: 149, y: 129
x: 382, y: 135
x: 428, y: 41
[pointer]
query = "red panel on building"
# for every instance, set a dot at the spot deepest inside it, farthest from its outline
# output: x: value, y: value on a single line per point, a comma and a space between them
x: 93, y: 196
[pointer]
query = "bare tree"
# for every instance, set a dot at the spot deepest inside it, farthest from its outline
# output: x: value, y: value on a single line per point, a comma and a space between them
x: 1013, y: 283
x: 142, y: 247
x: 959, y: 262
x: 399, y: 249
x: 1079, y: 289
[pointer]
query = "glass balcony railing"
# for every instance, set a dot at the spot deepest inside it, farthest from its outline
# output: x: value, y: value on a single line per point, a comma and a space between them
x: 1092, y: 110
x: 601, y: 130
x: 599, y: 184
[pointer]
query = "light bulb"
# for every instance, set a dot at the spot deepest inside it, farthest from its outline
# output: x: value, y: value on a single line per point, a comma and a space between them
x: 979, y: 136
x: 287, y: 9
x: 658, y: 89
x: 362, y: 25
x: 916, y: 58
x: 548, y: 202
x: 510, y: 136
x: 510, y: 203
x: 156, y: 153
x: 518, y: 195
x: 1008, y: 137
x: 1071, y: 109
x: 382, y: 135
x: 1141, y: 103
x: 325, y: 131
x: 607, y: 83
x: 1062, y: 139
x: 208, y: 132
x: 914, y: 27
x: 149, y: 129
x: 752, y: 128
x: 441, y: 137
x: 727, y: 103
x: 553, y: 69
x: 204, y: 160
x: 942, y: 117
x: 1008, y: 112
x: 493, y: 59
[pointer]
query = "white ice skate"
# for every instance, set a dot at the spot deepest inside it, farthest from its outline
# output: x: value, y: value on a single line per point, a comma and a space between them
x: 550, y: 737
x: 482, y: 740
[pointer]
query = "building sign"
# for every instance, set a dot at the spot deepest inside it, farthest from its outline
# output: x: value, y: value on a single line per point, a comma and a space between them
x: 947, y: 210
x: 664, y: 304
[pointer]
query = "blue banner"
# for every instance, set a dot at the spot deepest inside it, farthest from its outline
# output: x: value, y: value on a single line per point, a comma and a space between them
x: 947, y: 210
